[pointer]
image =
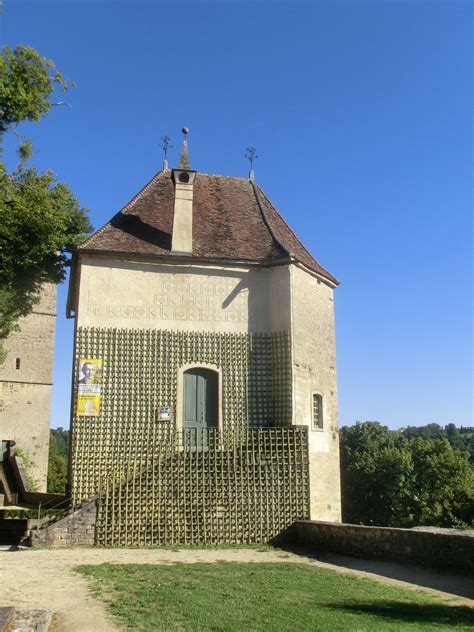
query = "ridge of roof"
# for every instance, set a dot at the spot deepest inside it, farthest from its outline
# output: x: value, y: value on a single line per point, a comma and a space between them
x: 221, y: 175
x: 265, y: 219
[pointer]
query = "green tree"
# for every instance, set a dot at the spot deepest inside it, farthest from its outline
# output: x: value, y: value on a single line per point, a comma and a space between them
x: 443, y: 484
x: 62, y: 440
x: 391, y: 480
x: 430, y: 431
x: 57, y: 467
x: 462, y: 439
x: 41, y: 221
x: 376, y: 469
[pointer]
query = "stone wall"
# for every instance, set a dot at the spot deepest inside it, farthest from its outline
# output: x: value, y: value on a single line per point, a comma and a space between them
x: 76, y: 528
x: 432, y: 548
x: 26, y: 384
x: 127, y: 294
x: 314, y: 372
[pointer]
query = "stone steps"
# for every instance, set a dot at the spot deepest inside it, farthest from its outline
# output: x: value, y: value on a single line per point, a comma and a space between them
x: 14, y: 620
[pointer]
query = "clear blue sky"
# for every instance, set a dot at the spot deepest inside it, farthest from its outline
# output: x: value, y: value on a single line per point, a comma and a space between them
x: 361, y: 114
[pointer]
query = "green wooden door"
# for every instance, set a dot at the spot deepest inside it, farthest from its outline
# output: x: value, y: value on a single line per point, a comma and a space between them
x: 200, y: 405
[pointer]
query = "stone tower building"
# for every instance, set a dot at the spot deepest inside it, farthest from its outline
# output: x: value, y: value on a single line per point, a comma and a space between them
x: 26, y: 379
x: 211, y: 330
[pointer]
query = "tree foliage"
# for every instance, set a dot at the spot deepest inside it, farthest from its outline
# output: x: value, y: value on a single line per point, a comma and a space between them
x: 27, y: 82
x: 390, y: 479
x: 40, y: 219
x: 62, y: 440
x: 58, y: 461
x: 443, y: 484
x: 460, y: 438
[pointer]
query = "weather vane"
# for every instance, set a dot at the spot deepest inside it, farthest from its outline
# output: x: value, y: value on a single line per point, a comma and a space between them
x: 251, y: 155
x: 165, y: 145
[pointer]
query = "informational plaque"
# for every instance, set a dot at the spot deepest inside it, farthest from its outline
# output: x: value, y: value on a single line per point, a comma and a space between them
x: 166, y: 413
x: 89, y: 382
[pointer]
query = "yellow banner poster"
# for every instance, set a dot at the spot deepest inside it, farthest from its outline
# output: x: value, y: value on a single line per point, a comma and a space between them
x: 89, y: 387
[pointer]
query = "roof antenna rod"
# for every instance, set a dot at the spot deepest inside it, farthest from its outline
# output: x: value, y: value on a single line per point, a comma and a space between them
x: 165, y: 145
x: 251, y: 155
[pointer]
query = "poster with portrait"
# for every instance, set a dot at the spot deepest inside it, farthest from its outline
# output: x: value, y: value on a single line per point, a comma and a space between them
x: 89, y: 382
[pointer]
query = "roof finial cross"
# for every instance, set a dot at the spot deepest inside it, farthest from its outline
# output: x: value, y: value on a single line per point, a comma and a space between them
x: 251, y: 155
x: 165, y: 145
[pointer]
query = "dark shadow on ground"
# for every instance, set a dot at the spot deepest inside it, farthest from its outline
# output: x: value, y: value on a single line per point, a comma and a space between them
x: 449, y: 582
x: 403, y: 612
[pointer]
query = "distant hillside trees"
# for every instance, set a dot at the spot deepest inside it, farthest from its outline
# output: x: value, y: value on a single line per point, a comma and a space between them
x: 416, y: 476
x: 58, y: 460
x: 460, y: 438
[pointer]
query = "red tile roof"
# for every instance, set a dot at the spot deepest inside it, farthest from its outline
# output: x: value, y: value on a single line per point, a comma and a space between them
x: 232, y: 220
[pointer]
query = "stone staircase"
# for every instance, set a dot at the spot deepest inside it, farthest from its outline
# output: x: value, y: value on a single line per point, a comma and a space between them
x: 16, y: 495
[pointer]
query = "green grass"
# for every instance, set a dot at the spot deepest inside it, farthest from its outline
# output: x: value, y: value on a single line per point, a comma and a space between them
x: 263, y: 597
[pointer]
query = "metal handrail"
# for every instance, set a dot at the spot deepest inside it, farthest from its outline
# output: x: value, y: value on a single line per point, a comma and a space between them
x: 57, y: 505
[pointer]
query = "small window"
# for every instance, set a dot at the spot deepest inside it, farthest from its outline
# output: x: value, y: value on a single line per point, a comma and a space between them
x: 317, y: 413
x: 17, y: 363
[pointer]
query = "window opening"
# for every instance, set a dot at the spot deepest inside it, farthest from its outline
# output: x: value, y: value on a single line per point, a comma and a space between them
x: 317, y: 411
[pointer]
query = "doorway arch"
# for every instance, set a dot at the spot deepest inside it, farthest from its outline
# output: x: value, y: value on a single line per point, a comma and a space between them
x: 199, y: 397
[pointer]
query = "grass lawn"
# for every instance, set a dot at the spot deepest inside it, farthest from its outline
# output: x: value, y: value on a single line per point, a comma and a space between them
x: 270, y: 597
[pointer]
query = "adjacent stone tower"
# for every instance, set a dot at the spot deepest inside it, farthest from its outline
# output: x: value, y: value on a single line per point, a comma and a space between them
x: 26, y: 383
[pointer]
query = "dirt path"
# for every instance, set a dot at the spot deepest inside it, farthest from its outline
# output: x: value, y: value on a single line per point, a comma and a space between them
x: 45, y: 579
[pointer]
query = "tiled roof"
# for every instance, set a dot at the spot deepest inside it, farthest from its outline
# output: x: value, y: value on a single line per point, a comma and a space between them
x: 232, y: 220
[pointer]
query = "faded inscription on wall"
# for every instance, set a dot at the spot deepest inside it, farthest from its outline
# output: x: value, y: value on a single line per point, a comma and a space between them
x: 186, y: 298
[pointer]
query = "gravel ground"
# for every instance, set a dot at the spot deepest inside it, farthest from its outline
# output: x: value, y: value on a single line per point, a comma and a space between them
x: 43, y: 578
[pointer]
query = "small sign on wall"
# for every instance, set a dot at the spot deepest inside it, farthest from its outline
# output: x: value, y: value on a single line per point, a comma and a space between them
x: 89, y: 381
x: 165, y: 413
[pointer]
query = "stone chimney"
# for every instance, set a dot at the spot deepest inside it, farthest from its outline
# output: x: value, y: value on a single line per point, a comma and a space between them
x: 183, y: 178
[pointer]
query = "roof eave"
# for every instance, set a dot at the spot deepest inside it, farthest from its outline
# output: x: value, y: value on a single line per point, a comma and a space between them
x: 203, y: 261
x: 329, y: 279
x: 185, y: 259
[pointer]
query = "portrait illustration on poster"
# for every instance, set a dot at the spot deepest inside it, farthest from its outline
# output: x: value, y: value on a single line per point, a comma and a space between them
x: 89, y: 387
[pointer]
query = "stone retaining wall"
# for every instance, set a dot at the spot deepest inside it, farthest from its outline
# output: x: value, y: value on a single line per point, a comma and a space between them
x: 75, y: 528
x: 438, y: 549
